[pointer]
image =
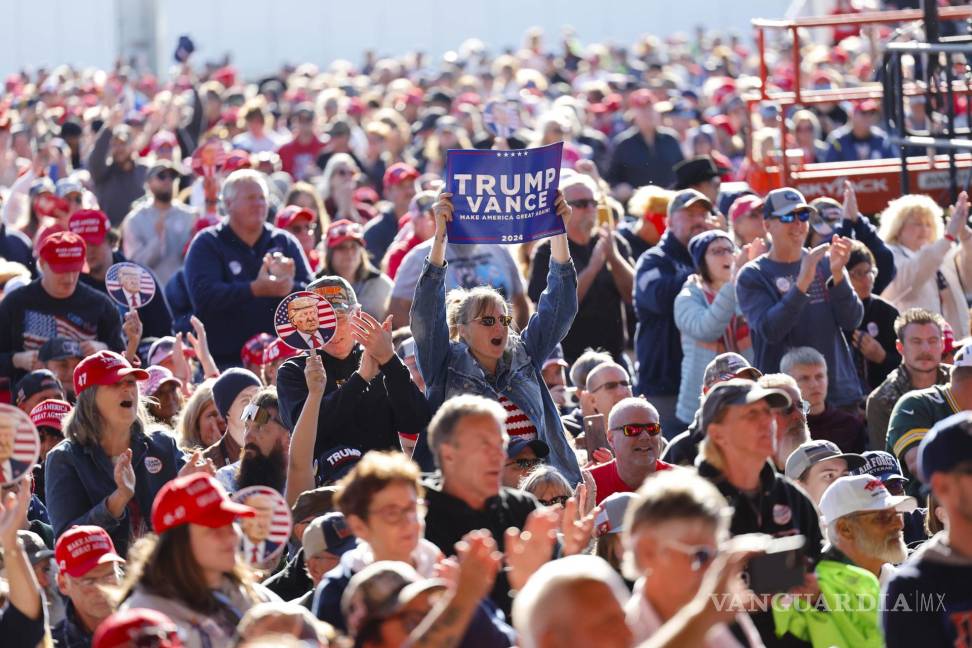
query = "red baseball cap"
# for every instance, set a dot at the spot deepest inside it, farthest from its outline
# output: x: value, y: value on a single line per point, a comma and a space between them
x: 290, y: 214
x: 82, y: 548
x: 50, y: 413
x: 278, y: 350
x: 124, y: 628
x: 104, y: 368
x: 866, y: 106
x: 253, y: 349
x: 63, y: 252
x: 641, y: 98
x: 90, y: 224
x: 344, y: 230
x: 195, y: 499
x: 398, y: 173
x: 743, y: 205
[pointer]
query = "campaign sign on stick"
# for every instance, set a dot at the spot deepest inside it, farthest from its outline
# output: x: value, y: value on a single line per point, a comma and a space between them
x: 504, y: 196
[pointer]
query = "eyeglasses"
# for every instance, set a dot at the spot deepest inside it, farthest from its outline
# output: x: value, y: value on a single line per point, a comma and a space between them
x: 611, y: 385
x: 859, y: 274
x: 490, y: 320
x: 802, y: 214
x: 344, y: 172
x: 720, y: 251
x: 637, y: 429
x: 392, y: 514
x: 259, y: 415
x: 701, y: 555
x: 792, y: 407
x: 583, y: 203
x: 111, y: 578
x: 525, y: 464
x: 554, y: 501
x: 166, y: 175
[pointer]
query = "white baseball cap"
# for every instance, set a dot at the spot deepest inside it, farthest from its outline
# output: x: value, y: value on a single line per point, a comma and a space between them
x: 859, y: 494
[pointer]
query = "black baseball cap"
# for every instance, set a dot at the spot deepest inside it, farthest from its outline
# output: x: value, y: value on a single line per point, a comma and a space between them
x: 739, y: 391
x: 34, y: 383
x: 334, y: 463
x: 59, y: 348
x: 516, y: 446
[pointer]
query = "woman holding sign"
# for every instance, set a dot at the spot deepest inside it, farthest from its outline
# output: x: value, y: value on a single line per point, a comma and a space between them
x: 465, y: 345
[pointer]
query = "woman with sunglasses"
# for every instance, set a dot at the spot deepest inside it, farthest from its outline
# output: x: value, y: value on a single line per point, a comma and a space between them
x: 465, y: 346
x: 676, y: 525
x: 191, y: 570
x: 111, y: 465
x: 707, y: 315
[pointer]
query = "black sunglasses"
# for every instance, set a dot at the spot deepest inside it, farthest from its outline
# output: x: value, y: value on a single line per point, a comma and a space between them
x: 802, y: 214
x: 526, y: 464
x: 489, y: 320
x: 554, y: 501
x: 583, y: 203
x: 166, y: 175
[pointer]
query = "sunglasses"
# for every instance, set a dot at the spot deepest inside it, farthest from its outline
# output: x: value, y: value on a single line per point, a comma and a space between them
x: 166, y: 175
x: 701, y: 555
x: 490, y: 320
x: 583, y: 203
x: 259, y: 415
x: 554, y: 501
x: 802, y: 214
x: 526, y: 464
x: 637, y: 429
x: 611, y: 385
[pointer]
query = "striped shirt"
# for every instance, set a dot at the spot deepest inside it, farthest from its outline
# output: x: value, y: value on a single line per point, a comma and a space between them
x: 518, y: 424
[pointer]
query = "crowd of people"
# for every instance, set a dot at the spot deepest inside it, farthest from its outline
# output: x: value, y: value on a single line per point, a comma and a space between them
x: 704, y: 414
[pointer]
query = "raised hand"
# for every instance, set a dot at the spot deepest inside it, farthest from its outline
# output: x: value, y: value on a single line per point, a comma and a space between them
x: 576, y: 530
x: 13, y: 514
x: 840, y: 250
x: 124, y: 474
x: 196, y: 464
x: 479, y: 562
x: 374, y: 336
x: 563, y: 209
x: 529, y: 549
x: 808, y: 266
x: 850, y: 202
x: 314, y: 374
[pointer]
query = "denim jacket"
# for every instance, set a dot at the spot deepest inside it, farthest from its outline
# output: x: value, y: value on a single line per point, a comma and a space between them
x: 450, y: 369
x: 79, y: 478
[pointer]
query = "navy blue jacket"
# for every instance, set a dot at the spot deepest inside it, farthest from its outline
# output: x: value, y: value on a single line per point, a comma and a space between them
x: 219, y: 269
x: 79, y: 479
x: 863, y: 231
x: 379, y: 234
x: 659, y: 275
x: 15, y: 246
x: 177, y: 294
x: 156, y: 317
x: 844, y: 147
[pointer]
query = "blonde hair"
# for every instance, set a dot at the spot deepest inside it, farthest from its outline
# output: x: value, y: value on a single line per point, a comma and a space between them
x: 650, y: 199
x: 899, y: 210
x: 464, y: 305
x: 187, y: 427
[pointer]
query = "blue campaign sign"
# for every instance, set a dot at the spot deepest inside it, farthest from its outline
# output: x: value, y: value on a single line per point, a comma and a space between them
x: 504, y: 196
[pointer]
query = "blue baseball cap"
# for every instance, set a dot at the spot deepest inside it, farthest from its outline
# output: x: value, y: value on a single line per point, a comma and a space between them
x: 787, y: 200
x: 882, y: 465
x: 334, y: 463
x: 516, y: 446
x: 947, y: 445
x: 328, y: 533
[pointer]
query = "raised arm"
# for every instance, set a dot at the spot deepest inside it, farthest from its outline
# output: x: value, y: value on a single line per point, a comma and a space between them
x: 428, y: 313
x: 300, y: 470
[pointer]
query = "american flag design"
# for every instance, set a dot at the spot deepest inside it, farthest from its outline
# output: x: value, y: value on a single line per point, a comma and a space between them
x: 26, y: 442
x: 40, y: 327
x: 281, y: 523
x: 518, y: 424
x: 327, y: 321
x: 146, y: 285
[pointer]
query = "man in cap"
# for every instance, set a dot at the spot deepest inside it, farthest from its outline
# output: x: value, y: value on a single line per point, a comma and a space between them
x: 155, y: 233
x: 927, y: 600
x: 137, y: 626
x: 275, y: 354
x: 297, y: 157
x: 699, y: 173
x: 816, y: 465
x: 685, y: 446
x: 917, y: 411
x: 101, y: 253
x: 55, y: 305
x: 35, y: 387
x: 921, y: 339
x: 325, y: 540
x: 293, y: 581
x: 422, y: 224
x: 645, y: 153
x: 358, y: 409
x: 119, y: 177
x: 605, y: 272
x: 739, y: 427
x: 40, y: 557
x: 860, y: 139
x: 302, y: 314
x: 635, y: 435
x: 87, y: 567
x: 238, y: 271
x: 883, y: 465
x: 863, y: 522
x: 60, y: 356
x: 398, y: 188
x: 659, y: 276
x: 795, y: 297
x: 523, y: 455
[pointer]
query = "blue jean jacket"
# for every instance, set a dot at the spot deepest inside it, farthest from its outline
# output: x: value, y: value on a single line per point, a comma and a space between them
x: 79, y: 478
x: 450, y: 369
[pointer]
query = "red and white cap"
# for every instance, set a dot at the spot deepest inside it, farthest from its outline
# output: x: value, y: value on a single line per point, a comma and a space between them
x: 344, y: 230
x: 278, y: 350
x: 292, y: 213
x: 63, y: 252
x: 859, y: 494
x: 82, y: 548
x: 104, y: 368
x: 157, y: 376
x: 195, y: 499
x: 50, y: 413
x: 137, y: 627
x: 90, y: 224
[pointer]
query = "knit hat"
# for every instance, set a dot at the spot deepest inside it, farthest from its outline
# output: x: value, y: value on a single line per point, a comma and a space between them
x: 700, y: 243
x: 229, y: 385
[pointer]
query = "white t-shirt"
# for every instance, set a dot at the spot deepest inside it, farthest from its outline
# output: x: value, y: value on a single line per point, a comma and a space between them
x: 469, y: 266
